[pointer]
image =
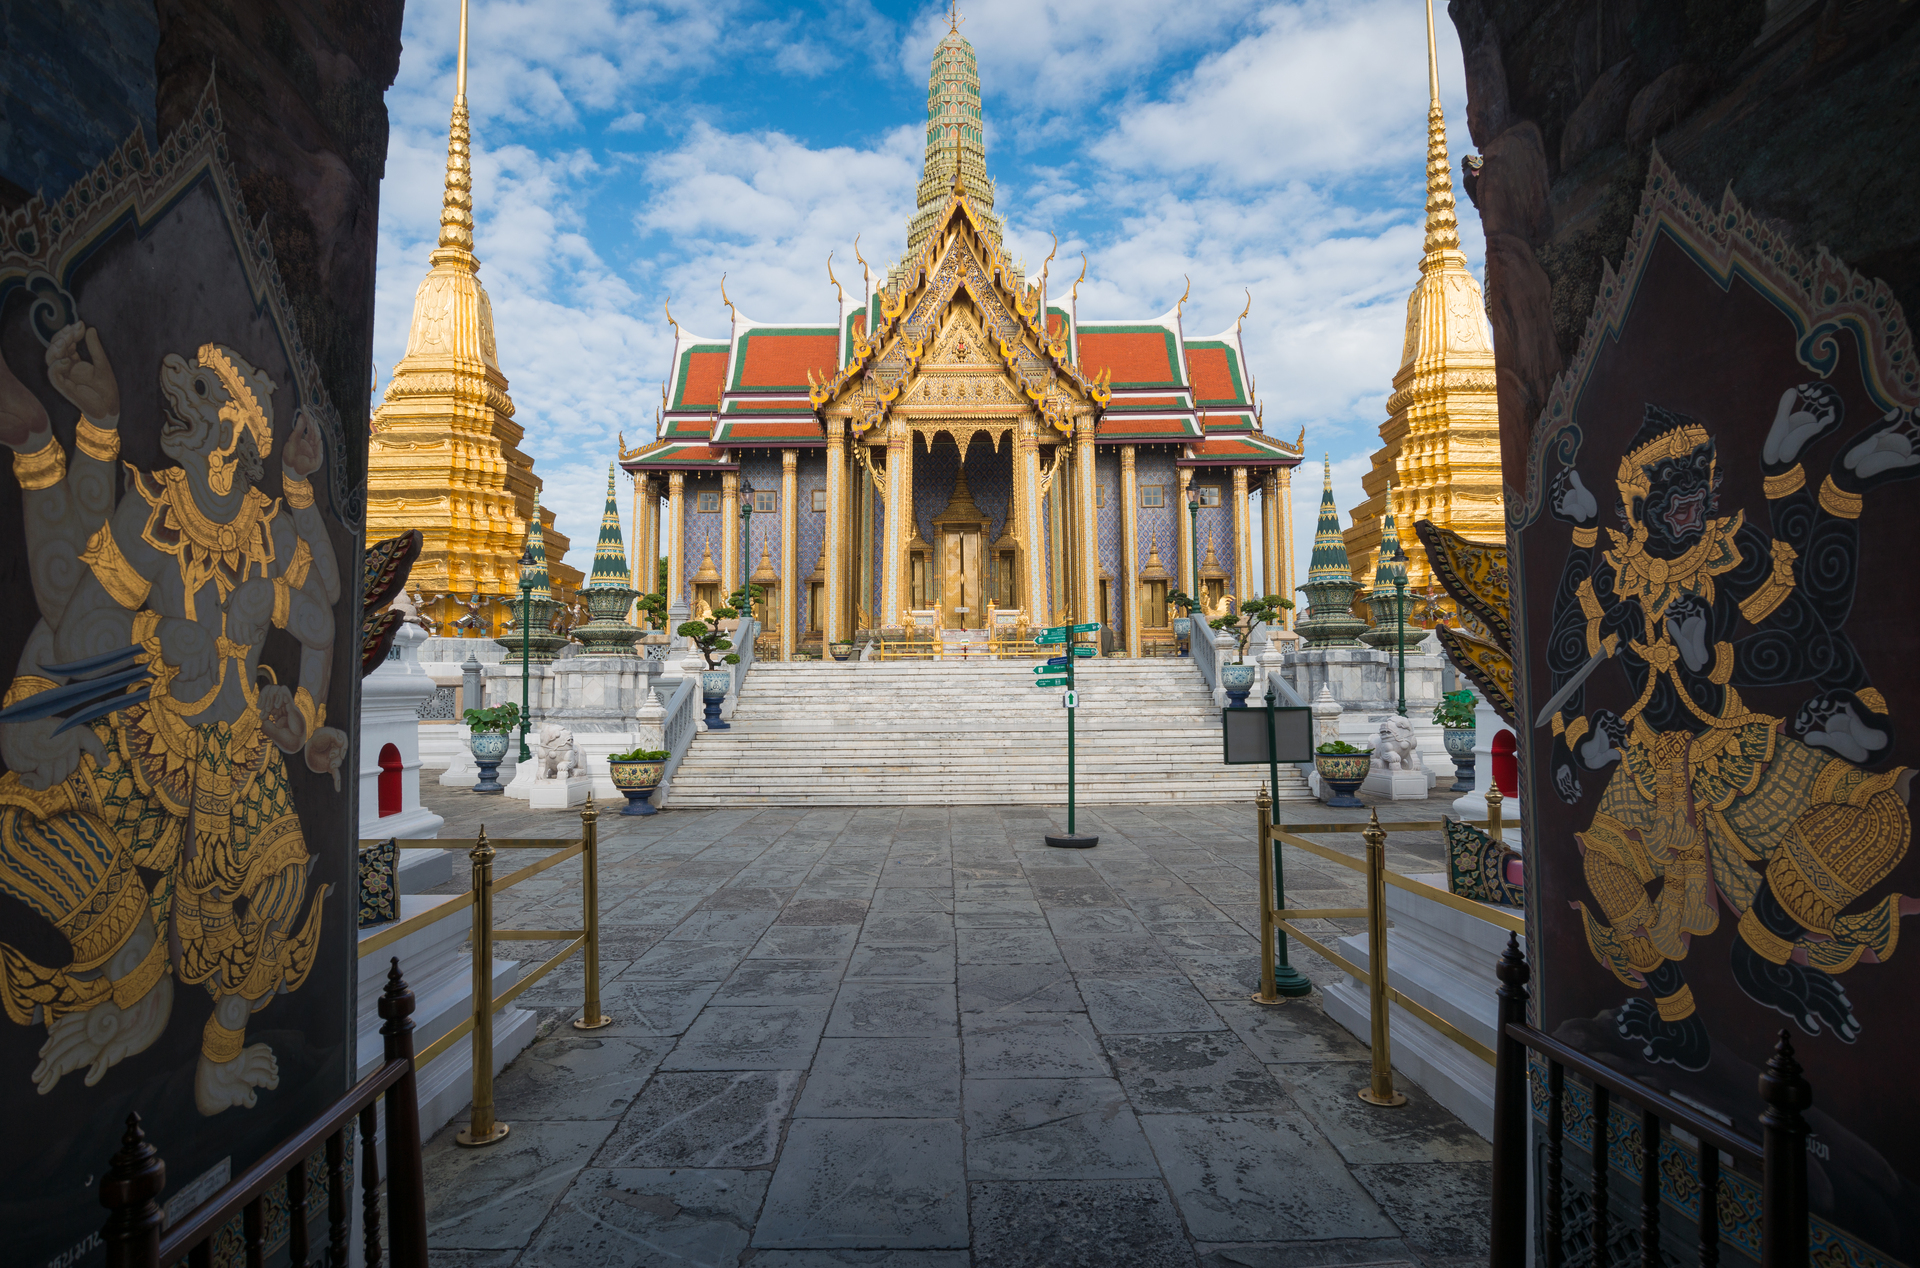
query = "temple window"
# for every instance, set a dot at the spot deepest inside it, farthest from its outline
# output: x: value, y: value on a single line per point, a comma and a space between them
x: 707, y: 502
x: 1099, y: 496
x: 766, y: 500
x: 1209, y: 494
x: 816, y: 606
x: 1152, y: 497
x: 820, y: 501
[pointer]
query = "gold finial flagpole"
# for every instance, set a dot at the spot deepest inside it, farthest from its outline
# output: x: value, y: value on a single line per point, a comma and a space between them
x: 460, y: 73
x: 1433, y: 60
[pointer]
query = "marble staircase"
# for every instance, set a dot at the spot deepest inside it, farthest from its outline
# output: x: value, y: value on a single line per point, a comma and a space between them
x: 824, y: 733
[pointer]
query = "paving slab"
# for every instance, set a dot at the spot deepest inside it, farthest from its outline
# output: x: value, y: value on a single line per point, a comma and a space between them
x: 575, y: 1075
x: 875, y: 1078
x: 494, y: 1198
x: 705, y: 1119
x: 875, y: 1009
x: 1260, y: 1177
x: 1296, y: 1031
x: 1053, y: 1129
x: 1209, y: 1072
x: 640, y: 1007
x: 924, y: 962
x: 806, y: 942
x: 1077, y: 1224
x: 780, y: 982
x: 1419, y: 1131
x: 1008, y: 946
x: 1017, y: 988
x: 868, y: 1183
x: 650, y: 1218
x: 1146, y: 1005
x: 754, y: 1037
x: 1040, y: 1046
x: 1444, y: 1209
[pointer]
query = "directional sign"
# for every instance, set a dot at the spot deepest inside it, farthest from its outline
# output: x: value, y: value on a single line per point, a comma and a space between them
x: 1069, y: 700
x: 1051, y: 636
x: 1088, y: 628
x: 1051, y: 682
x: 1055, y: 666
x: 1083, y: 652
x: 1055, y: 629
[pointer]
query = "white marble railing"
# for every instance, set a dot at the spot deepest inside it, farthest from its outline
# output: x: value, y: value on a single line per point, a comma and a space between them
x: 677, y: 728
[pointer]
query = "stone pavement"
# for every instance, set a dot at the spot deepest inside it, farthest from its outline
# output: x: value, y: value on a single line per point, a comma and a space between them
x: 918, y: 1037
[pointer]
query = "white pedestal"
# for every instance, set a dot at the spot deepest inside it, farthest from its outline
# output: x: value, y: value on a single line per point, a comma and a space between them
x: 1443, y: 960
x: 1396, y: 785
x: 389, y: 700
x: 558, y: 794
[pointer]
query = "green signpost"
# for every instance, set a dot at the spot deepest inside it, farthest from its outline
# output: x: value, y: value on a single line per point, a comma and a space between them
x: 1070, y: 701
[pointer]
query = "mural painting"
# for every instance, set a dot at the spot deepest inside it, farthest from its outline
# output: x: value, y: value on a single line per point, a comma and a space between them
x: 1718, y: 658
x: 175, y: 938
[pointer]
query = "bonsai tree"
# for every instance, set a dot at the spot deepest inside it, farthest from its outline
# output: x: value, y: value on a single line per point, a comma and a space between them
x: 1179, y: 599
x: 1253, y: 613
x: 741, y: 601
x: 1455, y: 710
x: 499, y: 720
x: 711, y: 640
x: 653, y: 607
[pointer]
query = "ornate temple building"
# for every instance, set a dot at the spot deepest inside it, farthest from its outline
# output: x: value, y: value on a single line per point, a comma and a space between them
x: 444, y: 456
x: 955, y: 451
x: 1439, y: 459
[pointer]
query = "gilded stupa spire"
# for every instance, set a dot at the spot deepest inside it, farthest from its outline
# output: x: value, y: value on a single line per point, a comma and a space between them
x: 610, y: 553
x: 456, y: 200
x: 1439, y: 457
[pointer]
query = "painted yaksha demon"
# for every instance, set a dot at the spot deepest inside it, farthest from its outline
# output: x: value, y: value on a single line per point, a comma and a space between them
x: 146, y: 813
x: 1788, y: 821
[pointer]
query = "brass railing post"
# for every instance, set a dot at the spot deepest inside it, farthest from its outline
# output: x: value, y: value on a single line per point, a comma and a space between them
x: 1493, y: 811
x: 1380, y: 1091
x: 481, y: 1127
x: 591, y: 1018
x: 1266, y: 994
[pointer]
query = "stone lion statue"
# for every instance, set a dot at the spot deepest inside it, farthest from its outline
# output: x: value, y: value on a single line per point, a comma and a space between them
x: 1396, y: 745
x: 554, y: 753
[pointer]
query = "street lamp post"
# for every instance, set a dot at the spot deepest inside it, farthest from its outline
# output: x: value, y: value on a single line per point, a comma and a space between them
x: 746, y: 549
x: 1193, y: 543
x: 526, y: 621
x: 1400, y: 609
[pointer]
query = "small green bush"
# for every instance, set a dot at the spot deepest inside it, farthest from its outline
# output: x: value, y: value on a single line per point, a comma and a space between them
x: 498, y: 720
x: 1340, y: 748
x: 641, y: 755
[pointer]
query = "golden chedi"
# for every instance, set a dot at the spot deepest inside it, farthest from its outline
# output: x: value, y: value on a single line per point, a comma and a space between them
x: 1440, y: 456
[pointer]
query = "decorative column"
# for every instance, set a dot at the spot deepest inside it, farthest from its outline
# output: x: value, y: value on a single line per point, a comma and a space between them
x: 1242, y: 539
x: 1025, y: 525
x: 902, y: 563
x: 894, y: 533
x: 835, y: 537
x: 1189, y: 583
x: 1129, y: 552
x: 676, y: 551
x: 729, y: 533
x: 1085, y: 541
x: 1283, y: 507
x: 789, y: 550
x: 1270, y: 532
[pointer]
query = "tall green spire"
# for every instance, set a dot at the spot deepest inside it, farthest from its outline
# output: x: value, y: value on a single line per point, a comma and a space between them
x: 1330, y: 621
x: 537, y: 547
x: 1329, y: 561
x: 610, y: 556
x: 955, y: 134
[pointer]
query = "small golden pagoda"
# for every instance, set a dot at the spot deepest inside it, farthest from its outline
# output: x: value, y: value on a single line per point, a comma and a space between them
x: 1440, y: 459
x: 444, y: 456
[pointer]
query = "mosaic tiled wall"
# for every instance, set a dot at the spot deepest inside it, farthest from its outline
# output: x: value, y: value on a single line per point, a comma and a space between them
x: 989, y: 479
x: 702, y: 530
x: 763, y: 472
x: 1218, y: 521
x: 813, y: 526
x: 1106, y: 474
x: 1154, y: 465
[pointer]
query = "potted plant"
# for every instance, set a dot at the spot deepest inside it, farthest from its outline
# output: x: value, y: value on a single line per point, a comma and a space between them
x: 1182, y: 624
x: 713, y: 642
x: 1454, y: 714
x: 1238, y: 678
x: 841, y: 648
x: 1342, y: 768
x: 637, y: 774
x: 489, y: 732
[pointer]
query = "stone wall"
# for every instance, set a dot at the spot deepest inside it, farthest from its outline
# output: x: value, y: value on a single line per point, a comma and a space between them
x: 1804, y: 107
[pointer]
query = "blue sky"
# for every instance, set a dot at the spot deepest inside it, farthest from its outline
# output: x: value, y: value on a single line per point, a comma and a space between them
x: 625, y: 152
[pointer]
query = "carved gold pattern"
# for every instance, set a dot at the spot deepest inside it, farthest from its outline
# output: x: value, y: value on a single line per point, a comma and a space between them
x: 117, y: 577
x: 204, y: 551
x: 43, y: 468
x: 99, y: 443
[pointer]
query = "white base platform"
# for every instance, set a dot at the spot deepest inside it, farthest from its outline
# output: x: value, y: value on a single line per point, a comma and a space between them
x: 558, y: 794
x: 1397, y: 785
x: 1444, y: 960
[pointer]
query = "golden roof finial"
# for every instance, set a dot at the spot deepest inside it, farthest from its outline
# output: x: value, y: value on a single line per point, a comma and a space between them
x: 725, y: 300
x: 1243, y: 315
x: 856, y: 252
x: 456, y: 201
x: 1074, y: 294
x: 1182, y: 301
x: 667, y: 304
x: 953, y: 16
x: 838, y: 289
x: 1443, y: 228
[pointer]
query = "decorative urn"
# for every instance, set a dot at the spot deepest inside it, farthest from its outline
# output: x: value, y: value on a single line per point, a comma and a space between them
x: 489, y: 749
x: 1343, y: 773
x: 636, y: 780
x: 1238, y: 680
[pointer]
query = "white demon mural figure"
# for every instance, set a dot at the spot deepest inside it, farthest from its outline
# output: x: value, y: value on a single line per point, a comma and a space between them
x: 146, y: 813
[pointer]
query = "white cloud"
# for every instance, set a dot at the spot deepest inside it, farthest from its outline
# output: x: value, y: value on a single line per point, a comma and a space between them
x: 632, y: 121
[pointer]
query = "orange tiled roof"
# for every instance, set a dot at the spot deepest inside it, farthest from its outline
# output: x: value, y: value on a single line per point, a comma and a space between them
x: 1212, y: 372
x: 1142, y: 356
x: 702, y: 372
x: 1121, y: 403
x: 781, y: 358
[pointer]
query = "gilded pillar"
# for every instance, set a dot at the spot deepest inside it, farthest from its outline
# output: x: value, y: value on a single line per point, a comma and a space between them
x: 729, y: 532
x: 1242, y: 539
x: 1270, y: 532
x: 789, y: 549
x: 1085, y: 534
x: 902, y: 563
x: 834, y: 626
x: 1183, y: 523
x: 1027, y: 510
x: 1283, y: 506
x: 676, y: 551
x: 895, y: 533
x: 1129, y: 596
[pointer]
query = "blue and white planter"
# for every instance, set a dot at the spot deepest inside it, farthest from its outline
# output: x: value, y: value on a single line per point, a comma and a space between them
x: 489, y: 749
x: 714, y: 686
x: 1237, y: 680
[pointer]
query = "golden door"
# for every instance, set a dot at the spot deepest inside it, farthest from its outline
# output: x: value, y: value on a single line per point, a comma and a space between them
x: 962, y: 592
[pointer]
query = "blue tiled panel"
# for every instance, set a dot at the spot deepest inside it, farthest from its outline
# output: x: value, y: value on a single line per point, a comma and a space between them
x: 763, y: 472
x: 813, y: 526
x: 1106, y: 473
x: 701, y: 529
x: 1218, y: 520
x: 1153, y: 464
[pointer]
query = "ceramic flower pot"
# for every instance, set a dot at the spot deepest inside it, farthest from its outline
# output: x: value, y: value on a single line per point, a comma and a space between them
x: 489, y: 749
x: 841, y: 650
x: 636, y: 780
x: 714, y: 686
x: 1238, y: 680
x: 1459, y: 742
x: 1183, y: 632
x: 1343, y: 773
